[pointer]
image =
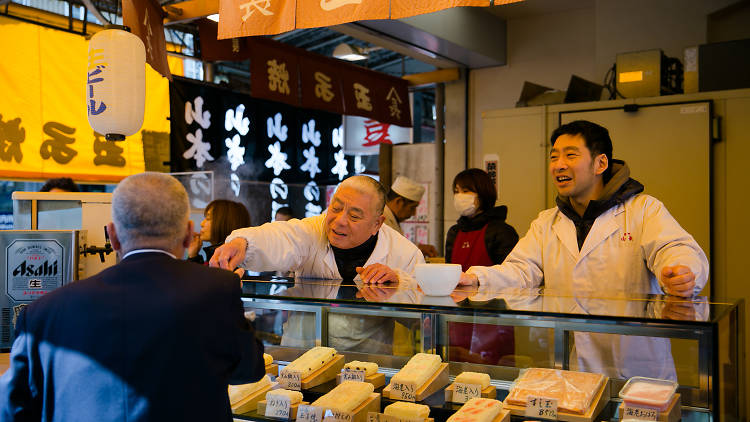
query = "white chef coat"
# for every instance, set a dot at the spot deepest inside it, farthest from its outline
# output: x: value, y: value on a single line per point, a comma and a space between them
x: 628, y: 245
x: 302, y: 246
x: 390, y: 220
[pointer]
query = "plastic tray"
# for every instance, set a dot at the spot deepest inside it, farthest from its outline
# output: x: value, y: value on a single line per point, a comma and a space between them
x: 650, y: 392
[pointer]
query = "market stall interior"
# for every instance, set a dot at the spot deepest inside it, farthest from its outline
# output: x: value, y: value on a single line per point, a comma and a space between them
x: 275, y: 113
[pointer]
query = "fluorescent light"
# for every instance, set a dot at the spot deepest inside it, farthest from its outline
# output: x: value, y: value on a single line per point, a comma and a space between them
x: 214, y: 17
x: 348, y: 52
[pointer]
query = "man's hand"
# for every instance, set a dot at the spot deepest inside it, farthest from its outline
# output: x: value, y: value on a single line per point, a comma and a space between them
x: 377, y: 273
x: 678, y: 280
x: 468, y: 279
x: 229, y: 255
x: 428, y: 251
x: 376, y: 294
x: 195, y: 245
x: 678, y: 309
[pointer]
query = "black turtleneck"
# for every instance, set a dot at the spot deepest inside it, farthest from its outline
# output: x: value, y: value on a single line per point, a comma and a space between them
x: 347, y: 260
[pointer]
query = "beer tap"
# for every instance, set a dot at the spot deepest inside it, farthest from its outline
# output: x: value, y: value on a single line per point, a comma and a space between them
x: 105, y: 250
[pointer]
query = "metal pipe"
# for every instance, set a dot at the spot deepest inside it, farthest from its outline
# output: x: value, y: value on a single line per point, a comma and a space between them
x: 91, y: 8
x: 440, y: 164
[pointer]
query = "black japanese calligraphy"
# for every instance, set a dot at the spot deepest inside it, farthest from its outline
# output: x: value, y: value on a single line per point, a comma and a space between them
x: 107, y: 152
x: 57, y: 147
x: 11, y: 137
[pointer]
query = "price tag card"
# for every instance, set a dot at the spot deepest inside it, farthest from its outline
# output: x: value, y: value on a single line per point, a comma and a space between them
x: 352, y: 375
x: 640, y: 413
x: 373, y: 417
x: 541, y: 407
x: 406, y: 392
x: 290, y: 380
x: 463, y: 392
x: 333, y: 415
x: 389, y: 418
x: 307, y: 413
x: 278, y: 407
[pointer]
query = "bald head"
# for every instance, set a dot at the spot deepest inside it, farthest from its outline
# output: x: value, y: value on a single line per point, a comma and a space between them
x: 150, y: 210
x: 369, y: 186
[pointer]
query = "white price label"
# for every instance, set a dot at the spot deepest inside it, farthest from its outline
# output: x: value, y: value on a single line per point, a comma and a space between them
x: 278, y: 407
x: 307, y: 413
x: 406, y: 392
x: 333, y: 415
x: 640, y: 413
x: 389, y: 418
x: 541, y: 407
x: 463, y: 392
x: 352, y: 375
x: 291, y: 380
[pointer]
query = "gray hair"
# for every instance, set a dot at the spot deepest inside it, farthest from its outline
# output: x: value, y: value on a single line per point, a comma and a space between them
x: 368, y: 185
x: 150, y: 210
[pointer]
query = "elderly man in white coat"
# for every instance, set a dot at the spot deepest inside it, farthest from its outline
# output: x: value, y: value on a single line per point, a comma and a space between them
x: 604, y: 237
x: 349, y: 241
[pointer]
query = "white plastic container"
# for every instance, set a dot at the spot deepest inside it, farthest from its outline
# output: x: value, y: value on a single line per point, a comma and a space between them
x: 437, y: 279
x: 648, y: 392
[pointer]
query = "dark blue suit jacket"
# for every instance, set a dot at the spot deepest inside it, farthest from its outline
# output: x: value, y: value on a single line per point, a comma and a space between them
x: 151, y: 338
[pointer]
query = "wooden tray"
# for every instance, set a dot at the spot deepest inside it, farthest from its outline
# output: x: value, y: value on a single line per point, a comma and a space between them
x: 672, y: 414
x: 382, y: 417
x: 438, y: 380
x: 292, y: 409
x: 504, y: 416
x: 272, y: 369
x: 601, y: 398
x: 326, y: 373
x: 359, y: 414
x: 250, y: 402
x: 377, y: 380
x: 488, y: 393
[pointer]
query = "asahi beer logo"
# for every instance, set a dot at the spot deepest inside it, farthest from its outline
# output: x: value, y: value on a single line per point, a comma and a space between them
x: 33, y: 268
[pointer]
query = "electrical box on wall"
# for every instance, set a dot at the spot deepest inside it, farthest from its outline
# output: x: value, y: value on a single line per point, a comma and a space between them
x: 648, y: 74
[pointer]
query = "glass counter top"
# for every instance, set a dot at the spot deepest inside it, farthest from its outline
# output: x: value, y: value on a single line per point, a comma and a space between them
x: 469, y: 300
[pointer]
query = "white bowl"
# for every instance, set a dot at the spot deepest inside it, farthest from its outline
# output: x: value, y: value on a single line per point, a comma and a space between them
x: 437, y: 279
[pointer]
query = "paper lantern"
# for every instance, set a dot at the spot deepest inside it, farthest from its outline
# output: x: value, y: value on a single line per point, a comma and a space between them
x: 116, y: 83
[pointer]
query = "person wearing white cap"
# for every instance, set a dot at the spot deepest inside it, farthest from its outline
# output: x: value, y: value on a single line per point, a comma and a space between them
x: 401, y: 204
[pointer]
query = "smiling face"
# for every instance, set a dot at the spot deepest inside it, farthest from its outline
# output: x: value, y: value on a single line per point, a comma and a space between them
x: 575, y: 172
x: 351, y: 218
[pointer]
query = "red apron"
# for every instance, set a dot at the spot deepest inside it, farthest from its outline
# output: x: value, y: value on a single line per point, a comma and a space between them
x: 478, y: 343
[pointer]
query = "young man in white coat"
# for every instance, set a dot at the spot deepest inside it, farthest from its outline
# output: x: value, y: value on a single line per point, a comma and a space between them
x: 604, y: 237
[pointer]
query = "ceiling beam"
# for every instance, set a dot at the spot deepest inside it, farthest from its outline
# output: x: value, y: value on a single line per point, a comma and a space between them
x: 94, y: 11
x: 437, y: 76
x: 190, y: 10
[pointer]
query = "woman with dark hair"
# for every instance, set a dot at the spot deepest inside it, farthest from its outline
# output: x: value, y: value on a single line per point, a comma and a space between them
x: 220, y: 218
x: 480, y: 237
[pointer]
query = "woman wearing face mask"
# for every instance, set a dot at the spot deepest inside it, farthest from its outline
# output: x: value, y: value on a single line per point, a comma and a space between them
x: 480, y: 237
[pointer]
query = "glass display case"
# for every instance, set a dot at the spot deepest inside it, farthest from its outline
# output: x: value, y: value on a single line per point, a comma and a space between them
x: 697, y: 343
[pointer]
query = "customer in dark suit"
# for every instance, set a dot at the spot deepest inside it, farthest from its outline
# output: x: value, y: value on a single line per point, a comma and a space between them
x: 151, y: 338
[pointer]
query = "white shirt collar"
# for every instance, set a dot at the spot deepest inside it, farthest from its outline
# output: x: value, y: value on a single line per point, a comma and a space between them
x: 136, y: 251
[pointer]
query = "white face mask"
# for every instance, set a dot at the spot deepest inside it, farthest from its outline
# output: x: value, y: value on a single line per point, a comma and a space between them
x: 465, y: 203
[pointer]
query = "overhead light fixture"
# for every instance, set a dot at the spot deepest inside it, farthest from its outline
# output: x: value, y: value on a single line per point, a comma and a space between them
x: 214, y: 17
x: 353, y: 53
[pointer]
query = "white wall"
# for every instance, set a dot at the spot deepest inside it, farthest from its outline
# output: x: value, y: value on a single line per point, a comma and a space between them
x: 547, y: 49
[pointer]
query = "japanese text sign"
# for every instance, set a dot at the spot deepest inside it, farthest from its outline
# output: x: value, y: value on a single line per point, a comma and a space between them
x: 541, y: 407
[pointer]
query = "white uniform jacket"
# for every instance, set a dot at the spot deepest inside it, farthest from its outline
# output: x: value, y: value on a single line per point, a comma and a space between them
x: 302, y: 246
x: 627, y: 245
x: 390, y: 220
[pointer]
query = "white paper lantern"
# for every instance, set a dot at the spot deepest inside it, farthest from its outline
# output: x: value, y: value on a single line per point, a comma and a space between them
x: 116, y: 83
